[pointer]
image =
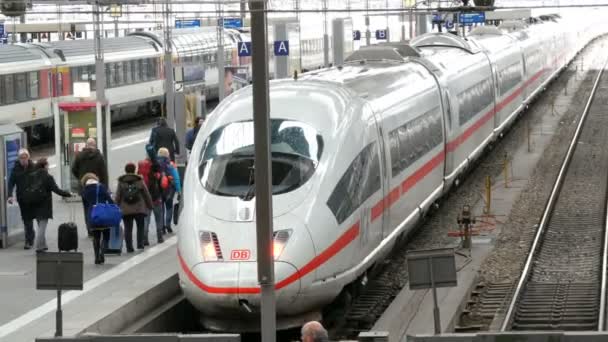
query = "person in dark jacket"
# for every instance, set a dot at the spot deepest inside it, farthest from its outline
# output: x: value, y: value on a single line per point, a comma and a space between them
x: 18, y: 179
x: 94, y: 192
x: 149, y: 172
x: 193, y: 133
x: 43, y: 211
x: 135, y: 203
x: 164, y: 136
x: 90, y: 160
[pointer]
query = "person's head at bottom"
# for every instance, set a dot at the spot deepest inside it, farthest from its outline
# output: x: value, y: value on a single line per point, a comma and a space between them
x: 314, y: 332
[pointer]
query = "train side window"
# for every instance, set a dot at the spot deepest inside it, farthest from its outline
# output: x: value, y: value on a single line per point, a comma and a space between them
x: 9, y: 90
x: 360, y: 181
x: 118, y: 74
x: 2, y: 91
x: 153, y: 68
x: 109, y: 77
x: 20, y: 87
x: 393, y: 139
x: 33, y: 84
x: 126, y: 68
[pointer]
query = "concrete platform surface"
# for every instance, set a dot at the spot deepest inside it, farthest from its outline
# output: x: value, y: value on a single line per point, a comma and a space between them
x: 25, y: 311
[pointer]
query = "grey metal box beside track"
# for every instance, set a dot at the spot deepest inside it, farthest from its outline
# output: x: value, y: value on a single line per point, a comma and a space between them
x: 441, y: 261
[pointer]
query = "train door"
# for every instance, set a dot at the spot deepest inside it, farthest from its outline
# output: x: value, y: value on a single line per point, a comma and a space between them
x: 382, y: 209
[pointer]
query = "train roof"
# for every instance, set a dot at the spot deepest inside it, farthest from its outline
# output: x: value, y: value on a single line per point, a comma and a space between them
x: 123, y: 47
x: 17, y: 58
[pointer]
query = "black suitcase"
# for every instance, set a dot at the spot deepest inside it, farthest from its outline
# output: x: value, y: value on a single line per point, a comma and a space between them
x: 68, y: 237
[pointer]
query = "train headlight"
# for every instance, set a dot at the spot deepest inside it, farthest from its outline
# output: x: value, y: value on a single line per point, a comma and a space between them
x: 210, y: 246
x: 280, y: 238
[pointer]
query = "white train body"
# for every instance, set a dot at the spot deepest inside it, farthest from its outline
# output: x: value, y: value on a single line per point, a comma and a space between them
x: 359, y: 154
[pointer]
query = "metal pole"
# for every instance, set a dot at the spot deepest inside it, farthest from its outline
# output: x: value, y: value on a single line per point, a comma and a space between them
x: 23, y: 36
x: 100, y: 72
x: 58, y: 317
x: 388, y: 30
x: 263, y: 171
x: 325, y: 36
x: 368, y: 34
x: 221, y: 63
x: 402, y: 21
x: 436, y: 316
x: 169, y: 86
x: 115, y: 27
x: 59, y: 24
x: 411, y: 22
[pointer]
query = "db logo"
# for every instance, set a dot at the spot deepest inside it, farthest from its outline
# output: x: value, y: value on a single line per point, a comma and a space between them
x: 240, y: 254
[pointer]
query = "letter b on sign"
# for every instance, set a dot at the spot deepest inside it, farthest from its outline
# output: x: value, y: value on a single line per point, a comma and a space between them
x: 281, y: 48
x: 381, y: 34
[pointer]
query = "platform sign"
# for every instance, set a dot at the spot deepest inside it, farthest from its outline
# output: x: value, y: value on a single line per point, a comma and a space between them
x: 281, y: 48
x: 59, y: 271
x: 1, y: 29
x: 449, y: 24
x: 244, y: 49
x: 432, y: 268
x: 230, y: 23
x: 187, y: 23
x: 356, y: 35
x: 472, y: 18
x: 12, y: 144
x: 380, y: 34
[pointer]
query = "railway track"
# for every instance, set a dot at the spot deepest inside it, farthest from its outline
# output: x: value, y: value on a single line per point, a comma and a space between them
x: 563, y: 282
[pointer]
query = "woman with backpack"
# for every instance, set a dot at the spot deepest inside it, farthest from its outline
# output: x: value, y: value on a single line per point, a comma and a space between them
x: 94, y: 192
x: 150, y: 172
x: 135, y: 203
x: 169, y: 183
x: 43, y: 208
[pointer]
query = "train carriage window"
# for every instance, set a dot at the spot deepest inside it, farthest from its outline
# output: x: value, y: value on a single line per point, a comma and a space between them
x: 413, y: 140
x: 109, y: 75
x: 473, y: 100
x: 20, y: 87
x: 360, y: 181
x: 9, y: 89
x: 118, y: 74
x: 128, y: 76
x: 33, y: 84
x: 226, y: 166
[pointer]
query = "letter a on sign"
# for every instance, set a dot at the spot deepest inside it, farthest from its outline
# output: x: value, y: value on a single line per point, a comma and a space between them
x: 281, y: 48
x: 244, y: 49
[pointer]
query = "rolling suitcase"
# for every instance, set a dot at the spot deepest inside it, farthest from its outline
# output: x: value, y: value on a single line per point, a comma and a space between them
x: 116, y: 239
x: 68, y: 237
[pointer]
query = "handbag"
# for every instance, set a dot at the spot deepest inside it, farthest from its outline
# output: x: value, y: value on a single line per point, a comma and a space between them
x: 105, y: 214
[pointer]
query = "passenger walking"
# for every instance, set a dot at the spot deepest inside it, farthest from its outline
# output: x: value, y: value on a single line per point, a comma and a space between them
x: 43, y: 207
x: 96, y: 192
x: 19, y: 179
x: 135, y: 203
x: 314, y: 332
x: 150, y: 173
x: 169, y: 186
x: 164, y: 136
x: 193, y: 133
x: 90, y: 160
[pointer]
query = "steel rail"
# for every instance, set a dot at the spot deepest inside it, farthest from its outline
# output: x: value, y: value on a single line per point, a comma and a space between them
x: 549, y: 209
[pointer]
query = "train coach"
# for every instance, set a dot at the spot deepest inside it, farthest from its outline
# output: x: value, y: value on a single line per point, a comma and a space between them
x: 359, y: 154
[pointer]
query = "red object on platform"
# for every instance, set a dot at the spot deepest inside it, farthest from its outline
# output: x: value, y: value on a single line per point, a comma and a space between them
x: 76, y: 106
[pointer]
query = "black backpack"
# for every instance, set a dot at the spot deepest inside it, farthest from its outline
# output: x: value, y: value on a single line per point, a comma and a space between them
x: 132, y: 193
x: 34, y: 191
x: 154, y: 187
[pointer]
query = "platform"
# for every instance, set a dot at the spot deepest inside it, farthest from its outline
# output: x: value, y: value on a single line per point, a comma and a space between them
x: 27, y: 313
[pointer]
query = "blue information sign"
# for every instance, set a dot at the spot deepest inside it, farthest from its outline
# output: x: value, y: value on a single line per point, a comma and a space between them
x: 472, y: 18
x: 186, y: 23
x: 449, y: 24
x: 380, y: 34
x: 12, y: 144
x: 1, y: 30
x: 233, y: 23
x: 281, y: 48
x: 356, y: 35
x: 244, y: 49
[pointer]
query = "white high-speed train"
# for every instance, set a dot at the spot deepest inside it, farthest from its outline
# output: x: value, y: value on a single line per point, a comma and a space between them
x: 359, y: 154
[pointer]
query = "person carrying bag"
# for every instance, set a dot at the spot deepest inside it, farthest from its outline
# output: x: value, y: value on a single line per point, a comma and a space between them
x: 102, y: 212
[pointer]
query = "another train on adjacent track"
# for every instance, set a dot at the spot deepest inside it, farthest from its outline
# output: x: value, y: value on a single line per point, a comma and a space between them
x: 35, y: 76
x: 359, y: 154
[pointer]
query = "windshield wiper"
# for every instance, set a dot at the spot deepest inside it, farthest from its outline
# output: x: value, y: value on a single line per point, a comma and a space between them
x: 251, y: 190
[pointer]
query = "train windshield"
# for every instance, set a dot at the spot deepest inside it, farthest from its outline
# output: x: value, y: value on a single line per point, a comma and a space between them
x: 227, y: 167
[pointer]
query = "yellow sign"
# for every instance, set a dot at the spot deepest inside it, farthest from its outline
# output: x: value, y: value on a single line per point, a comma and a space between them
x: 115, y: 11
